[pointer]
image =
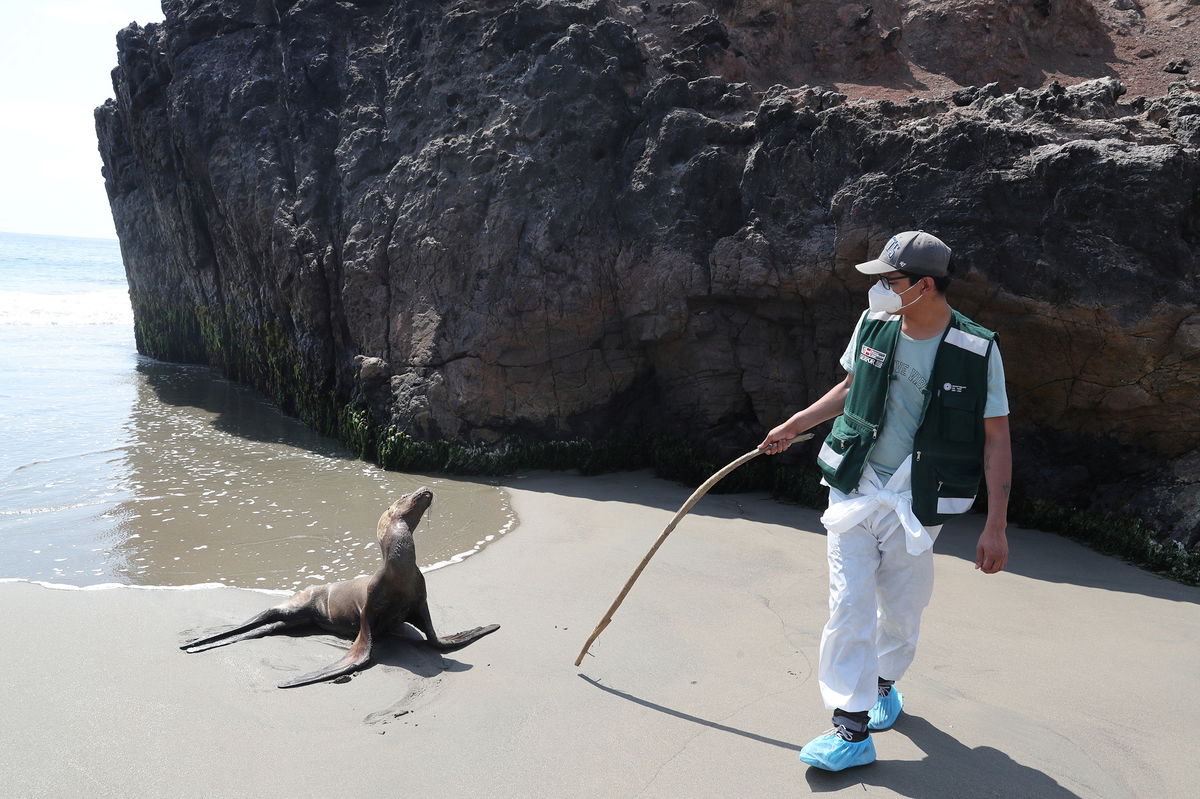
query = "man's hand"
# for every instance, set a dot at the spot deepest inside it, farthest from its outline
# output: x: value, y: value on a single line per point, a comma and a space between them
x: 778, y: 440
x: 991, y: 553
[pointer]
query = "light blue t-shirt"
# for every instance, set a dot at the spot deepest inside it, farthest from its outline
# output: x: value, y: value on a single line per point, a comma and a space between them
x: 906, y: 396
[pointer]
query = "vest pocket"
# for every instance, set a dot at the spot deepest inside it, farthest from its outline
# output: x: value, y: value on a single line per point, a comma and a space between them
x: 955, y: 491
x: 843, y: 450
x: 844, y: 434
x: 959, y: 418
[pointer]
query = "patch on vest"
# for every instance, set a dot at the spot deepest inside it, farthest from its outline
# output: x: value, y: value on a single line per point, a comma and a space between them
x: 872, y: 356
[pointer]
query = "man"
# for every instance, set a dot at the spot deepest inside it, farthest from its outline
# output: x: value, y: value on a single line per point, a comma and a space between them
x: 922, y: 415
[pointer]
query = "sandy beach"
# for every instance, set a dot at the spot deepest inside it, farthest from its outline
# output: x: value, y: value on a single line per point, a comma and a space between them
x: 1066, y: 676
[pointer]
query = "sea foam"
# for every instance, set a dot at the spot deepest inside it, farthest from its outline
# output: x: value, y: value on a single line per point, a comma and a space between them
x: 100, y: 307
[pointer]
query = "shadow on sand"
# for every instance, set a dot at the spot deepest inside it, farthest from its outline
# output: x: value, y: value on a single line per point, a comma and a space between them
x: 1034, y: 554
x: 949, y: 769
x: 694, y: 719
x: 408, y: 651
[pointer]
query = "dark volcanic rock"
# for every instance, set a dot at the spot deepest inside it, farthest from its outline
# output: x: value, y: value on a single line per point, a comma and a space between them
x: 494, y: 220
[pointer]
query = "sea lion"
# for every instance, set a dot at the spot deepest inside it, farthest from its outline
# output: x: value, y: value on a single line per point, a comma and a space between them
x: 365, y: 607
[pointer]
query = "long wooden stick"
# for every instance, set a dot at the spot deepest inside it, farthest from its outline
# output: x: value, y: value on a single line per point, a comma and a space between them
x: 687, y: 506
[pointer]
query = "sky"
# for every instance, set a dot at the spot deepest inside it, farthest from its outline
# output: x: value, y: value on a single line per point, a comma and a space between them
x: 56, y: 57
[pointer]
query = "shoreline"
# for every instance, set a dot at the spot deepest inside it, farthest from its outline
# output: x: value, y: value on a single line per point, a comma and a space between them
x: 509, y: 525
x: 703, y: 685
x: 136, y: 587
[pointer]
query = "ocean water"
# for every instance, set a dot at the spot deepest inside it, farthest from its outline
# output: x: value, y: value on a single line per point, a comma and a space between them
x: 115, y: 467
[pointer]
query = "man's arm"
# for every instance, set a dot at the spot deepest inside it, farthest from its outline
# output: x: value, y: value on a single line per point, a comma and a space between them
x: 991, y: 553
x: 824, y: 409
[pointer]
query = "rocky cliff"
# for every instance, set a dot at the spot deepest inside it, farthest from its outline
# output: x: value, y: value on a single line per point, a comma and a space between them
x: 489, y: 220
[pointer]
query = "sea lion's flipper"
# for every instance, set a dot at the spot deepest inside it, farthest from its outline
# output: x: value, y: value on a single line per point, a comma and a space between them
x: 269, y: 621
x: 459, y: 640
x: 205, y: 644
x: 356, y: 658
x: 421, y: 619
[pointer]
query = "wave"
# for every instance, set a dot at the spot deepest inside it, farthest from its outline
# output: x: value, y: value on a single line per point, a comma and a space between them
x: 129, y: 586
x: 124, y: 448
x: 100, y: 307
x: 52, y: 508
x: 479, y: 545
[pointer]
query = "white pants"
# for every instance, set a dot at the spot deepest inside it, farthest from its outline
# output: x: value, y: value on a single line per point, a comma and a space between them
x: 877, y: 591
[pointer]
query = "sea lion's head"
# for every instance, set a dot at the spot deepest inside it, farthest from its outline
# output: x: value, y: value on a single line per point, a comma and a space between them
x: 407, y: 509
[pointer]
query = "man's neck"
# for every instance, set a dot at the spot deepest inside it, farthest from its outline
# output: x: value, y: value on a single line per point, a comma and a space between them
x: 927, y: 318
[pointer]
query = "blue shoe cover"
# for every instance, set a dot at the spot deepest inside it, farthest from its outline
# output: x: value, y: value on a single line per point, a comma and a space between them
x: 885, y: 712
x: 832, y: 753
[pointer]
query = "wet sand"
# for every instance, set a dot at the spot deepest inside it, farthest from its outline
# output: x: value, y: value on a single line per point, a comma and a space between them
x: 1066, y: 676
x: 168, y: 474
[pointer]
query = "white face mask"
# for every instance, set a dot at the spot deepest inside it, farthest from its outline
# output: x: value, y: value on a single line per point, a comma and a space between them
x: 881, y: 298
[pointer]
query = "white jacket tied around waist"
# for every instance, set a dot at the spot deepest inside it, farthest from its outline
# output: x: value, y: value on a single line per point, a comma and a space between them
x: 896, y: 495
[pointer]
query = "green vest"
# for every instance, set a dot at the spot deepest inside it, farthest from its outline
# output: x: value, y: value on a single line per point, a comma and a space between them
x: 947, y: 460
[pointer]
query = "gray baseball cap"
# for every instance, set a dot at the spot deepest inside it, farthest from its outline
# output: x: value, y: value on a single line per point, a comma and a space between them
x: 913, y: 251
